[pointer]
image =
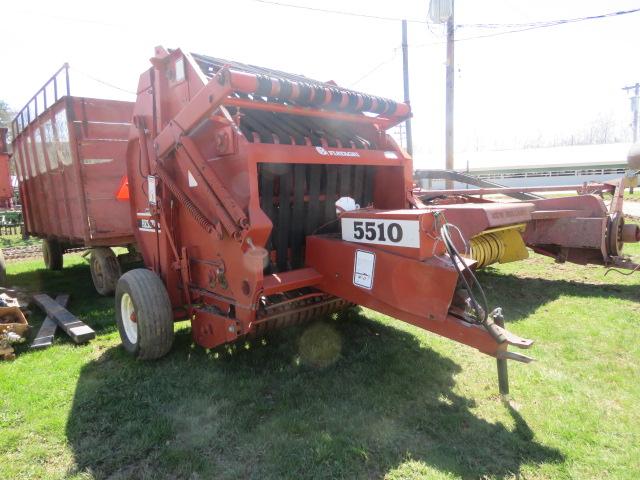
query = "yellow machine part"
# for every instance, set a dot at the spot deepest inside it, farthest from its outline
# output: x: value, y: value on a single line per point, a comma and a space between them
x: 501, y: 245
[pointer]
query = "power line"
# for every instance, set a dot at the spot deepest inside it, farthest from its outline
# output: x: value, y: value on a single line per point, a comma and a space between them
x: 338, y: 12
x: 548, y: 23
x: 107, y: 84
x: 376, y: 68
x: 516, y: 27
x: 528, y: 26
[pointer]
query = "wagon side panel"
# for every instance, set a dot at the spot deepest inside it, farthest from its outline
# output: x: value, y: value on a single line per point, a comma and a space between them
x: 101, y: 129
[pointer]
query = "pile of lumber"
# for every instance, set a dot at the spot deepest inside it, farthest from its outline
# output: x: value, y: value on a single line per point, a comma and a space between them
x: 59, y: 316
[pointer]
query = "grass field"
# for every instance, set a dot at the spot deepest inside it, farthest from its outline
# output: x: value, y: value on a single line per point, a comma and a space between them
x: 8, y: 241
x: 359, y: 396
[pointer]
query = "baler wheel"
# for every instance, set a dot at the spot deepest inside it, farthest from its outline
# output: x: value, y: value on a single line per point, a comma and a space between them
x: 144, y: 315
x: 52, y: 253
x: 105, y: 270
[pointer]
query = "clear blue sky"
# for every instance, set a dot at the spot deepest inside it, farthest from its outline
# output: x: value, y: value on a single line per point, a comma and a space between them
x: 545, y: 82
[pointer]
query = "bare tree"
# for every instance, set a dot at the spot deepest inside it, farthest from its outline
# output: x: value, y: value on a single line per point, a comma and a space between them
x: 604, y: 128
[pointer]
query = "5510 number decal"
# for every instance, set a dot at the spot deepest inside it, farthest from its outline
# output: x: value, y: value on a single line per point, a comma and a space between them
x: 371, y: 231
x: 402, y: 233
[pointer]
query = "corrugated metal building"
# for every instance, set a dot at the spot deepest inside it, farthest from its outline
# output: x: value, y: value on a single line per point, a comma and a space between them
x: 544, y: 166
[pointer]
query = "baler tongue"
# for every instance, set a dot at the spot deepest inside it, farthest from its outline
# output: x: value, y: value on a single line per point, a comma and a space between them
x: 399, y: 266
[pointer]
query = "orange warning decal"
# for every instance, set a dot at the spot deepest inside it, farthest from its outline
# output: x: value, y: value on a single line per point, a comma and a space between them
x: 123, y: 190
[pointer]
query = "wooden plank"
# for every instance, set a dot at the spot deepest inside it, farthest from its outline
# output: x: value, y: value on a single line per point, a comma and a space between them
x: 76, y: 329
x: 44, y: 338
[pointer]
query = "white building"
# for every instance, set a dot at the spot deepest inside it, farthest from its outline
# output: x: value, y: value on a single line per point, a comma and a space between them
x: 571, y: 165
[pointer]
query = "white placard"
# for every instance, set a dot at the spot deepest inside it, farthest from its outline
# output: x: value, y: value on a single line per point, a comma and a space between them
x: 363, y: 269
x: 151, y: 185
x: 401, y: 233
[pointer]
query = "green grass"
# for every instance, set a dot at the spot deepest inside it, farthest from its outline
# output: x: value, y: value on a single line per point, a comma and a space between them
x: 9, y: 241
x: 358, y: 396
x: 635, y: 196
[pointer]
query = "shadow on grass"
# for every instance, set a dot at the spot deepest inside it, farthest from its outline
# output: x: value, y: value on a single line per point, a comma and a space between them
x: 521, y: 295
x: 265, y: 412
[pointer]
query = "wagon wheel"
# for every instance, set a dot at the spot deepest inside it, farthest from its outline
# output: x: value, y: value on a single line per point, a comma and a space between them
x: 52, y: 253
x: 143, y: 314
x: 614, y: 234
x: 105, y: 270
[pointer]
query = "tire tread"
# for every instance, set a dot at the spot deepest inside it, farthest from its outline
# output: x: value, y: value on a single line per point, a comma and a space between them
x: 153, y: 309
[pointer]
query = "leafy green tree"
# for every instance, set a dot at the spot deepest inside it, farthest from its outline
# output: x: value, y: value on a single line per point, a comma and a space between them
x: 6, y: 114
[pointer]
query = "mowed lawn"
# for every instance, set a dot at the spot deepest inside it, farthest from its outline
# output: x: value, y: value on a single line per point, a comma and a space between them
x: 357, y: 396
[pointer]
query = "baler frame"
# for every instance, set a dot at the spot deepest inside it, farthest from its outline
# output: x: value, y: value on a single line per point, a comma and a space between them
x: 169, y: 145
x: 235, y: 173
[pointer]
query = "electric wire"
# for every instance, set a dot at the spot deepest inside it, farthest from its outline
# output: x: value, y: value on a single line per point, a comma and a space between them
x: 548, y: 23
x: 377, y: 67
x: 539, y: 24
x: 480, y: 308
x: 515, y: 27
x: 107, y: 84
x: 339, y: 12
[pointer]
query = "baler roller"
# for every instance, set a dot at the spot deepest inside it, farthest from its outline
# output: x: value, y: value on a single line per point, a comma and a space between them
x: 299, y: 90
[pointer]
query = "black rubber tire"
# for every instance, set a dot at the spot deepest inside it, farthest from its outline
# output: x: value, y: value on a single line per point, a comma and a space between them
x: 3, y: 269
x: 153, y: 312
x: 52, y: 252
x: 105, y: 270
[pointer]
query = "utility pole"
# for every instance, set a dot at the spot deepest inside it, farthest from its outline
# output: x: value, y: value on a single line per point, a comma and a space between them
x: 405, y: 77
x: 634, y: 108
x: 449, y: 98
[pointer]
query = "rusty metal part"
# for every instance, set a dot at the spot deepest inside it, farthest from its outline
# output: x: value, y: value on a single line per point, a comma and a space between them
x: 614, y: 237
x: 630, y: 233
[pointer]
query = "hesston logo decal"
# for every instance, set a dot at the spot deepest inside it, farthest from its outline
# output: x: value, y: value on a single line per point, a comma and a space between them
x: 336, y: 153
x: 146, y: 223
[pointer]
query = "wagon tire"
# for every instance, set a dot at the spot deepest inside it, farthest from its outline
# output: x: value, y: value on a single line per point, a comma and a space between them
x: 3, y: 268
x: 52, y: 253
x: 144, y: 314
x: 105, y: 270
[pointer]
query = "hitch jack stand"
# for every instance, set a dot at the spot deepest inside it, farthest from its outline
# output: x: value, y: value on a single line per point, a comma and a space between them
x: 503, y: 370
